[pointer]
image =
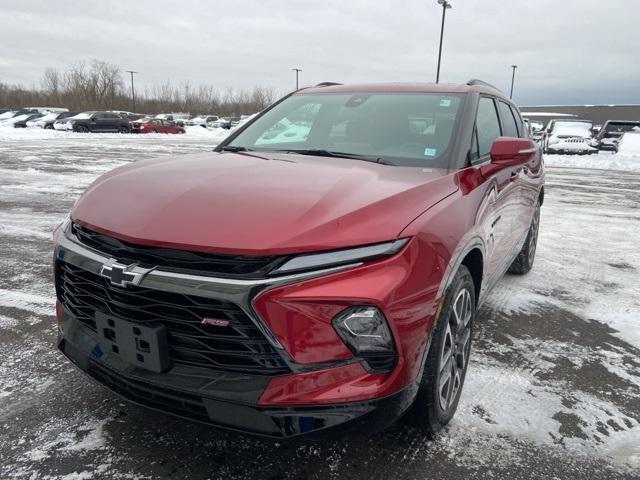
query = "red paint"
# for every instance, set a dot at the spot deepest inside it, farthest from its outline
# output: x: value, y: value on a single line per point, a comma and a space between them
x: 153, y: 125
x: 267, y: 208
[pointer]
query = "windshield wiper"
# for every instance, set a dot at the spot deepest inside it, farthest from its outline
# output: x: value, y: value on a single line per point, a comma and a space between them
x: 230, y: 148
x: 319, y: 152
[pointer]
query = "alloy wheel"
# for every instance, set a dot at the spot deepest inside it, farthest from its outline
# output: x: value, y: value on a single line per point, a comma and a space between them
x: 455, y: 350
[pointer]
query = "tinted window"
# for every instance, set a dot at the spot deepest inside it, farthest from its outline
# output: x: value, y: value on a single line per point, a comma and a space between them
x: 509, y: 126
x: 487, y: 125
x: 410, y: 129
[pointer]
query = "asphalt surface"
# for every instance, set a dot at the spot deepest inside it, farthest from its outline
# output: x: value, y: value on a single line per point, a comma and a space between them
x: 553, y: 389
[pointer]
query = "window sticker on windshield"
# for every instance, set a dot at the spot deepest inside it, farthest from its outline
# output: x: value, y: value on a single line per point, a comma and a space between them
x: 430, y: 152
x: 445, y: 102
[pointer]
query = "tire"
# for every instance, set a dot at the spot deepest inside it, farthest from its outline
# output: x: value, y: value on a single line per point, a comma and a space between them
x: 82, y: 129
x: 48, y: 127
x: 154, y: 131
x: 524, y: 261
x: 437, y: 398
x: 123, y: 130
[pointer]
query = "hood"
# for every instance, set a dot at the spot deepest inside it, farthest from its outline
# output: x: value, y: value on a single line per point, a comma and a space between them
x: 242, y: 203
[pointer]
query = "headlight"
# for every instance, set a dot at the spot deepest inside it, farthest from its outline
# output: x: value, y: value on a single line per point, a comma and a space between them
x: 61, y: 228
x: 340, y: 257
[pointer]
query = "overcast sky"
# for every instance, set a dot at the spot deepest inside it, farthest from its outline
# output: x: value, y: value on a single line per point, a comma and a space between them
x: 583, y: 51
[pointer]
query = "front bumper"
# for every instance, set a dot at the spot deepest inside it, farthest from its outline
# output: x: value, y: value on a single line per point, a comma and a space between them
x: 325, y: 386
x: 223, y: 399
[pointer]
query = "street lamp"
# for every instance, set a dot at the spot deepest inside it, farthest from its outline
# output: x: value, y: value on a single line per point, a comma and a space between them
x: 297, y: 70
x: 513, y: 77
x: 133, y: 92
x: 445, y: 5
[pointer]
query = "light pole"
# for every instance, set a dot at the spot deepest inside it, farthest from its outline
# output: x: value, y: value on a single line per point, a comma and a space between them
x: 133, y: 92
x: 513, y: 77
x: 445, y: 5
x: 297, y: 70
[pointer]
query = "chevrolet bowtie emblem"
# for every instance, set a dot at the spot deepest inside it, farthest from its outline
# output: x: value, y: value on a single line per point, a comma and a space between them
x: 119, y: 275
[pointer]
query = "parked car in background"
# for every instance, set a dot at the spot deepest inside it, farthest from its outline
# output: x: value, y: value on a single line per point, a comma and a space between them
x: 6, y: 116
x: 94, y: 122
x: 155, y: 125
x: 569, y: 136
x: 46, y: 110
x: 178, y: 117
x: 21, y: 120
x: 48, y: 120
x: 612, y: 131
x: 226, y: 122
x: 335, y: 285
x: 201, y: 120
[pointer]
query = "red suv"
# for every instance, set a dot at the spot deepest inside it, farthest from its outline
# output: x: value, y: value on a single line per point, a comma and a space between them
x: 321, y: 268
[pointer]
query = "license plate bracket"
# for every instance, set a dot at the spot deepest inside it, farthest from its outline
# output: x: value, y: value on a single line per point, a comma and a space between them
x: 144, y: 346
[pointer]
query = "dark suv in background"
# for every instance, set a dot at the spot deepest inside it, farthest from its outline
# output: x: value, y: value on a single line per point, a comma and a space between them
x: 94, y: 122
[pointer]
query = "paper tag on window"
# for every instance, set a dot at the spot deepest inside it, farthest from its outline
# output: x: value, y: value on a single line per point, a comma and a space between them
x: 430, y: 152
x: 445, y: 102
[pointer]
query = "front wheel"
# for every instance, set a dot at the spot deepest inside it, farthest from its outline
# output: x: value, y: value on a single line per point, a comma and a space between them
x: 524, y: 261
x: 123, y: 130
x: 81, y: 129
x: 448, y: 357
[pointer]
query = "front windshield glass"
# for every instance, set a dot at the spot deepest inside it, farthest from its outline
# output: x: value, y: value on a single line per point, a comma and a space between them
x: 410, y: 129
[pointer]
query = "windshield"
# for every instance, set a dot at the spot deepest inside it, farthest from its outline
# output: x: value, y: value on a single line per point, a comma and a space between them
x: 621, y: 127
x: 410, y: 129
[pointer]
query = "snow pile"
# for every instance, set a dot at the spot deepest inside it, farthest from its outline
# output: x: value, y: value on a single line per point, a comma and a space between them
x: 629, y: 144
x: 601, y: 161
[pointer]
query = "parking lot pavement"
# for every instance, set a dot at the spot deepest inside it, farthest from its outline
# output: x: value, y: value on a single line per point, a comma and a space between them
x: 553, y: 388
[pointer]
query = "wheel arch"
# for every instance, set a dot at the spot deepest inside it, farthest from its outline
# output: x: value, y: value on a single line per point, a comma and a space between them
x: 474, y: 262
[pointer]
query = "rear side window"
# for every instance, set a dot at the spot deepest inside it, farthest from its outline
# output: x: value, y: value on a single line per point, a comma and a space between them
x: 487, y: 127
x: 523, y: 127
x: 509, y: 124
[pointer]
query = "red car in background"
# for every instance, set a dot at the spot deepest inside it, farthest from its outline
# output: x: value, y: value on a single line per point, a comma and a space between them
x: 155, y: 125
x: 321, y: 268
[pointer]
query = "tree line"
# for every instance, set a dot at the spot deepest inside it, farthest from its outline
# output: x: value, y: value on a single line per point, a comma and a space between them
x: 99, y: 85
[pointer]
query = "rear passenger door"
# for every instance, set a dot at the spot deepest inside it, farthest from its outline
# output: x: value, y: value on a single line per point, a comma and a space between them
x: 502, y: 208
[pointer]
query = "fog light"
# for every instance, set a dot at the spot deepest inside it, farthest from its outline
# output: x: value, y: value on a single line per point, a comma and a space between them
x: 365, y: 331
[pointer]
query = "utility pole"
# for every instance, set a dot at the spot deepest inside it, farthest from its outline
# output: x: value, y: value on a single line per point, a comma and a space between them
x: 133, y: 92
x: 513, y: 77
x: 297, y: 70
x: 445, y: 5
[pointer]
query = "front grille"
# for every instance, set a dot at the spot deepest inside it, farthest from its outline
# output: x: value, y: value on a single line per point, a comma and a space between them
x: 153, y: 396
x: 186, y: 261
x: 239, y: 347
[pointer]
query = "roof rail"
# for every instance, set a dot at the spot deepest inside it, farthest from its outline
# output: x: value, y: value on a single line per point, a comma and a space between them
x: 475, y: 81
x: 327, y: 84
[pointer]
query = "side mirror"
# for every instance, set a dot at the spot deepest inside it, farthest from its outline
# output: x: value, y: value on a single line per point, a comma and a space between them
x: 508, y: 152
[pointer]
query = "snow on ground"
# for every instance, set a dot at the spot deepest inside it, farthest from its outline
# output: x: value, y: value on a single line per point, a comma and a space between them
x: 552, y: 391
x: 598, y: 161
